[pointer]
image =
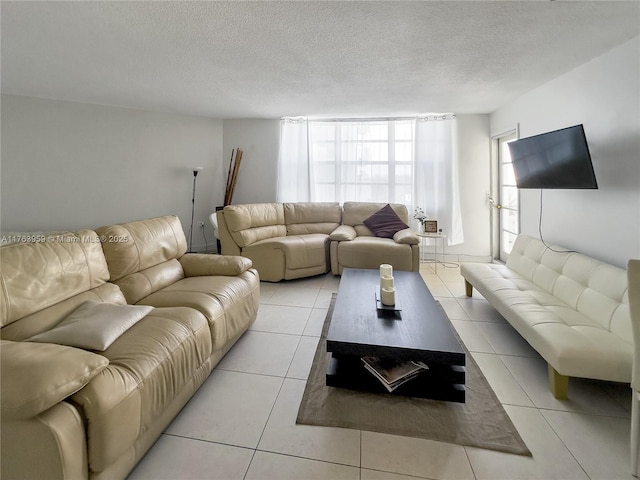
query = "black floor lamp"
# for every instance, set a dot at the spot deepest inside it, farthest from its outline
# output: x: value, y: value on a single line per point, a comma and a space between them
x: 193, y: 204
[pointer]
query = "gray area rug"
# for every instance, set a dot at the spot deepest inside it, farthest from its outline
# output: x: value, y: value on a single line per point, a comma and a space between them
x: 480, y: 422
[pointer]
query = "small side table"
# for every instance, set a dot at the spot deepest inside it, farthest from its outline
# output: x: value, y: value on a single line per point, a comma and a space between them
x: 435, y: 236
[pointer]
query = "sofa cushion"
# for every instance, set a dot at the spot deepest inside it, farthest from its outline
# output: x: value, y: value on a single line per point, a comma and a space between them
x: 71, y: 263
x: 140, y: 284
x: 385, y: 222
x: 593, y: 288
x: 250, y: 236
x: 355, y: 213
x: 291, y: 256
x: 250, y: 223
x: 49, y: 317
x: 136, y: 246
x: 93, y: 325
x: 300, y: 251
x: 312, y: 217
x: 228, y: 302
x: 406, y: 237
x: 343, y: 233
x: 370, y: 252
x: 200, y: 264
x: 34, y: 377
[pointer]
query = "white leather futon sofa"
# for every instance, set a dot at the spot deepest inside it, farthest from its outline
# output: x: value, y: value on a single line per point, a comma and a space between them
x: 572, y: 309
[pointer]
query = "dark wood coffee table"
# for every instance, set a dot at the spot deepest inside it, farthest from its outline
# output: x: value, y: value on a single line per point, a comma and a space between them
x: 420, y: 332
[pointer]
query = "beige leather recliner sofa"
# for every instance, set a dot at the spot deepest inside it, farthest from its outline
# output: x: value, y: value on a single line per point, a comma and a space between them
x: 294, y: 240
x: 284, y: 241
x: 78, y: 413
x: 572, y: 309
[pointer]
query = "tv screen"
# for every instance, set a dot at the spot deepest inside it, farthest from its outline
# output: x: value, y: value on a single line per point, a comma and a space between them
x: 558, y: 159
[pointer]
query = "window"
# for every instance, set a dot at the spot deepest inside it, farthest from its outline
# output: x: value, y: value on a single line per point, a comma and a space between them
x: 410, y: 161
x: 368, y: 161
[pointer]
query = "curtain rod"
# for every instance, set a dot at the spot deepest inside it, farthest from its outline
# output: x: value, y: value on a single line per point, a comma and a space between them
x: 433, y: 116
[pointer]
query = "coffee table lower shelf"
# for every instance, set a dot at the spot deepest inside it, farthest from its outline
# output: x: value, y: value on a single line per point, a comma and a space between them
x: 440, y: 382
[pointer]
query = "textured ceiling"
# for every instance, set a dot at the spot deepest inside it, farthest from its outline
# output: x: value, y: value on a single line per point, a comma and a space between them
x: 271, y: 59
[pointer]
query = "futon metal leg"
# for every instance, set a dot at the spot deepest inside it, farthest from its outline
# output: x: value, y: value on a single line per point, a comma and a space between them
x: 559, y: 383
x: 468, y: 288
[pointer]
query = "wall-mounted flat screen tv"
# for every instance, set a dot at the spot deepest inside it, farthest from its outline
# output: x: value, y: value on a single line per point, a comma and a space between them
x: 558, y: 159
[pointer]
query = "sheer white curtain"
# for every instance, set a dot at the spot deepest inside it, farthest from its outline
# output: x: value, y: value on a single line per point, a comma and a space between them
x: 294, y: 174
x: 360, y: 162
x: 374, y: 161
x: 436, y: 188
x: 366, y: 161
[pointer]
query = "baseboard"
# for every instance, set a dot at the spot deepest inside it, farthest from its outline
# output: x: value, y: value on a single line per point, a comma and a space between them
x: 461, y: 258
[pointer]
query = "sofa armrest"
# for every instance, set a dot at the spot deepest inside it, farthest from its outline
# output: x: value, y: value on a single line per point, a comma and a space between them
x: 228, y: 245
x: 52, y: 445
x: 406, y: 237
x: 37, y: 376
x: 201, y: 264
x: 343, y: 233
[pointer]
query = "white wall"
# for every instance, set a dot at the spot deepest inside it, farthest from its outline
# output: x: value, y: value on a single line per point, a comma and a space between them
x: 72, y: 165
x: 259, y: 140
x: 604, y: 95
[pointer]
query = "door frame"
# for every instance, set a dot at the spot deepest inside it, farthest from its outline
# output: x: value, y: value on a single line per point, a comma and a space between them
x: 493, y: 195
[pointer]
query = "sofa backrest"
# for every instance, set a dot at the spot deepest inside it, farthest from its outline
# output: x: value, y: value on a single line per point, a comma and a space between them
x: 142, y: 256
x: 594, y: 288
x: 45, y: 280
x: 251, y: 222
x: 355, y: 213
x: 312, y: 217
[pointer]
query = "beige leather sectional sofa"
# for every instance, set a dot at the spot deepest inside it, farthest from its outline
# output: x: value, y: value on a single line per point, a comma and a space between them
x: 572, y: 309
x: 294, y: 240
x: 78, y: 412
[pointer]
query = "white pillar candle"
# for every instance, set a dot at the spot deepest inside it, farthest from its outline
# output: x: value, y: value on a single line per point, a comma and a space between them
x: 388, y: 296
x: 386, y: 270
x: 386, y: 281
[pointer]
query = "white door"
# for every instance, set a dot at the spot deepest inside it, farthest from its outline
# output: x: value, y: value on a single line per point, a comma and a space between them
x: 504, y: 200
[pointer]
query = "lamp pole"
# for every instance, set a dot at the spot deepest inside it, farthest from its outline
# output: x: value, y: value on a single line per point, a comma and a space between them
x: 193, y: 204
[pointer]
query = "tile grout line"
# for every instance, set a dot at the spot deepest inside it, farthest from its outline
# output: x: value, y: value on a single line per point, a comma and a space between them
x: 286, y: 375
x: 256, y: 449
x: 308, y: 458
x: 501, y: 361
x: 204, y: 440
x: 466, y: 452
x: 264, y: 428
x: 279, y: 391
x: 253, y: 455
x: 360, y: 462
x: 563, y: 443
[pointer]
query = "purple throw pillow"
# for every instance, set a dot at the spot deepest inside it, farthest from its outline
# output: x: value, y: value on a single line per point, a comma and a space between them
x: 385, y: 222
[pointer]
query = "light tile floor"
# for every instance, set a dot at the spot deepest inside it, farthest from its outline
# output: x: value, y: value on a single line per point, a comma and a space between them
x: 240, y: 425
